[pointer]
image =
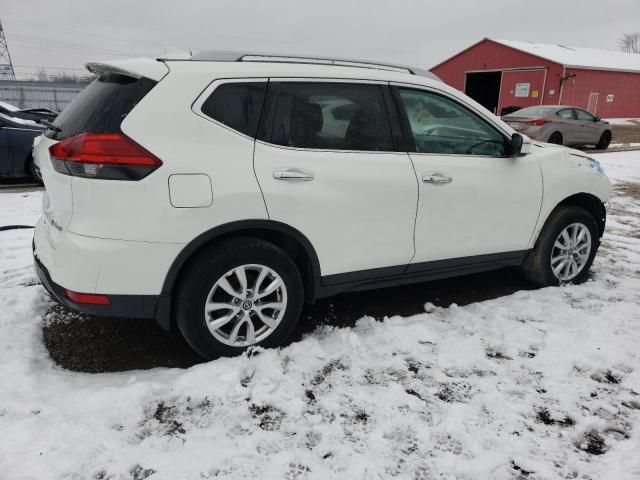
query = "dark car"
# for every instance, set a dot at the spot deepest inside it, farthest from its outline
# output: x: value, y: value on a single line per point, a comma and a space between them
x: 16, y: 144
x: 35, y: 114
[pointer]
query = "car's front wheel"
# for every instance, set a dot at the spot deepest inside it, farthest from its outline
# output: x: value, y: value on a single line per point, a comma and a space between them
x: 237, y: 294
x: 605, y: 141
x: 565, y: 248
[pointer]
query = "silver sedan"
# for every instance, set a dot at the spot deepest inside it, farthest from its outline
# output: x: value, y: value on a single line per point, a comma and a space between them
x: 561, y: 124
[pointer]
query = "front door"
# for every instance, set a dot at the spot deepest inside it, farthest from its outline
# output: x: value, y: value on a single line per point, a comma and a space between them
x: 593, y: 102
x: 475, y: 199
x: 327, y: 165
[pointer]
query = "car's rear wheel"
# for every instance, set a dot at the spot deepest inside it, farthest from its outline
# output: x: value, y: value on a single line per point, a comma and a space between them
x: 565, y: 248
x: 237, y: 294
x: 556, y: 138
x: 605, y: 141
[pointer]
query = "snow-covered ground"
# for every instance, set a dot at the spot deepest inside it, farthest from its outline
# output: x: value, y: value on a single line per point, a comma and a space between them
x: 540, y: 384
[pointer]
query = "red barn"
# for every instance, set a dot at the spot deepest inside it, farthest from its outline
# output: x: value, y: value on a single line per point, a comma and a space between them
x: 504, y: 73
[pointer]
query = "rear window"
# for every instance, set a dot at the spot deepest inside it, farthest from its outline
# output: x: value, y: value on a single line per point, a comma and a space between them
x: 533, y: 112
x: 101, y: 107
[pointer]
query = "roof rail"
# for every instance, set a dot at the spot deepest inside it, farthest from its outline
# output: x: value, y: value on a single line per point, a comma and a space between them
x: 229, y: 56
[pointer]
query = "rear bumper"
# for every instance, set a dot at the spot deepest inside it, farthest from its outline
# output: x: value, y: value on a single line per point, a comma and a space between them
x: 128, y: 306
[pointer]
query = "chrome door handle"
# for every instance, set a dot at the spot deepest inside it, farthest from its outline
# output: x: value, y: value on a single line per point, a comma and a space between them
x: 293, y: 175
x: 436, y: 177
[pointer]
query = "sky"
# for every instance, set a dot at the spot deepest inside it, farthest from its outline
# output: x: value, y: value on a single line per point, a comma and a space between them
x: 65, y: 34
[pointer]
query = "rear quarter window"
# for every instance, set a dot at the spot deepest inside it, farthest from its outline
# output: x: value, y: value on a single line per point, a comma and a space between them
x: 237, y: 105
x: 101, y: 107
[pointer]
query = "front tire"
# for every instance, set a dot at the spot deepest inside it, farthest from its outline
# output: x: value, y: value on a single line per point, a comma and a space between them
x: 237, y: 294
x: 565, y: 248
x: 605, y: 141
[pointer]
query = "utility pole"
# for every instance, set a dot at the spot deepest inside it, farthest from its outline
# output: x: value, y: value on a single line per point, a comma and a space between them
x: 6, y: 66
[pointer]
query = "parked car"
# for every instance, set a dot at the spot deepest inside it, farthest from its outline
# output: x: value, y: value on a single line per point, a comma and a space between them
x: 16, y: 145
x: 34, y: 114
x: 562, y: 125
x: 219, y: 193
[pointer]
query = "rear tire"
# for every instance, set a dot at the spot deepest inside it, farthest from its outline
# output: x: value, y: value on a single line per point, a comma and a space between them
x: 556, y: 138
x: 215, y: 281
x: 605, y: 141
x: 548, y: 250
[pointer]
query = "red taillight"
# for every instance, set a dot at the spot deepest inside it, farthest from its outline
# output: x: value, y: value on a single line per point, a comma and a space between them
x: 87, y: 298
x: 110, y: 156
x: 537, y: 122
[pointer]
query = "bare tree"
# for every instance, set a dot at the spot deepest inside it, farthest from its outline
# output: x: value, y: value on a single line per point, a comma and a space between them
x: 630, y: 42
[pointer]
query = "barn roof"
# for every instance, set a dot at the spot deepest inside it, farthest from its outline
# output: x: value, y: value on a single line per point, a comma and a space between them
x: 577, y: 57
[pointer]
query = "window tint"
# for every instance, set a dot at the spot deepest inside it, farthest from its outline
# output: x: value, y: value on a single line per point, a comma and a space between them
x: 584, y: 115
x: 333, y: 116
x: 101, y: 107
x: 440, y: 125
x: 237, y: 105
x: 567, y: 114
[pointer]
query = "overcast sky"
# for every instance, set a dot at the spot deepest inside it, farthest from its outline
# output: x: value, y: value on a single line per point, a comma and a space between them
x: 68, y: 33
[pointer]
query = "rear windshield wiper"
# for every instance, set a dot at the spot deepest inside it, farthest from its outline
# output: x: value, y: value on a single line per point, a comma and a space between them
x: 50, y: 125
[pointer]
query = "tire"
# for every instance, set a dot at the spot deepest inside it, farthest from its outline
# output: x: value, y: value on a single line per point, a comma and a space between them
x: 538, y: 268
x: 202, y: 282
x: 34, y: 171
x: 605, y: 141
x: 555, y: 138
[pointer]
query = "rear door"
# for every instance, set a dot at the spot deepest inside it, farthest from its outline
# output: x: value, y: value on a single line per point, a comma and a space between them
x: 329, y: 165
x: 569, y: 126
x: 475, y: 200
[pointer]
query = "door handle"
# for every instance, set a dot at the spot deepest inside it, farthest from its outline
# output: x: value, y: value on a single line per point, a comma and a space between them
x: 293, y: 175
x: 436, y: 177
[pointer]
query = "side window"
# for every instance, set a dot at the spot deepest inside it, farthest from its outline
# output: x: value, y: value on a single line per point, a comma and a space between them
x: 567, y: 114
x: 237, y: 105
x: 584, y: 115
x: 330, y: 116
x: 440, y: 125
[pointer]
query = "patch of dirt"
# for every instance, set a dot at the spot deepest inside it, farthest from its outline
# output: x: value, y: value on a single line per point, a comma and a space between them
x: 593, y: 443
x: 269, y: 417
x: 628, y: 189
x: 543, y: 416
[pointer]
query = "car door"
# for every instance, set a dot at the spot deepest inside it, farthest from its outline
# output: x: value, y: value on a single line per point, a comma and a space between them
x: 475, y: 199
x: 589, y: 128
x: 569, y: 126
x: 6, y: 160
x: 327, y: 164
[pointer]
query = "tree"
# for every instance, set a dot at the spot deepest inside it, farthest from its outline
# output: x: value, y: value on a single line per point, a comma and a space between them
x: 630, y: 42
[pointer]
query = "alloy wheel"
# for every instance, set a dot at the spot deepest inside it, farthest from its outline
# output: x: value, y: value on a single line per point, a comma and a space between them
x: 570, y: 252
x: 245, y: 305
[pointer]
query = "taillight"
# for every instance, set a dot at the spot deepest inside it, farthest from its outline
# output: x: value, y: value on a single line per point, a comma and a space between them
x: 107, y: 156
x: 537, y: 122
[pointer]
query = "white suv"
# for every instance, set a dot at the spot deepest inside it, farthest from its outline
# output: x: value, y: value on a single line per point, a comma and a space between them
x: 218, y: 193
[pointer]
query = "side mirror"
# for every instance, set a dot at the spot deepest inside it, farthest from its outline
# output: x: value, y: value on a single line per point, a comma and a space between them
x: 596, y: 119
x: 517, y: 141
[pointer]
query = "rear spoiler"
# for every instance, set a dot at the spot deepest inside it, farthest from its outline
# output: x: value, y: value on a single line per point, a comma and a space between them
x: 132, y: 67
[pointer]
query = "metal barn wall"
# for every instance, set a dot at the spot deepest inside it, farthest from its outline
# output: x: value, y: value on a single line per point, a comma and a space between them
x: 487, y: 55
x: 490, y: 56
x: 33, y: 94
x: 624, y: 86
x: 536, y: 79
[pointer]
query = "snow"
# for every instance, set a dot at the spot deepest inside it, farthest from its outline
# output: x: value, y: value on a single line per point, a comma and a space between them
x: 623, y: 121
x: 523, y: 383
x: 22, y: 121
x: 578, y: 57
